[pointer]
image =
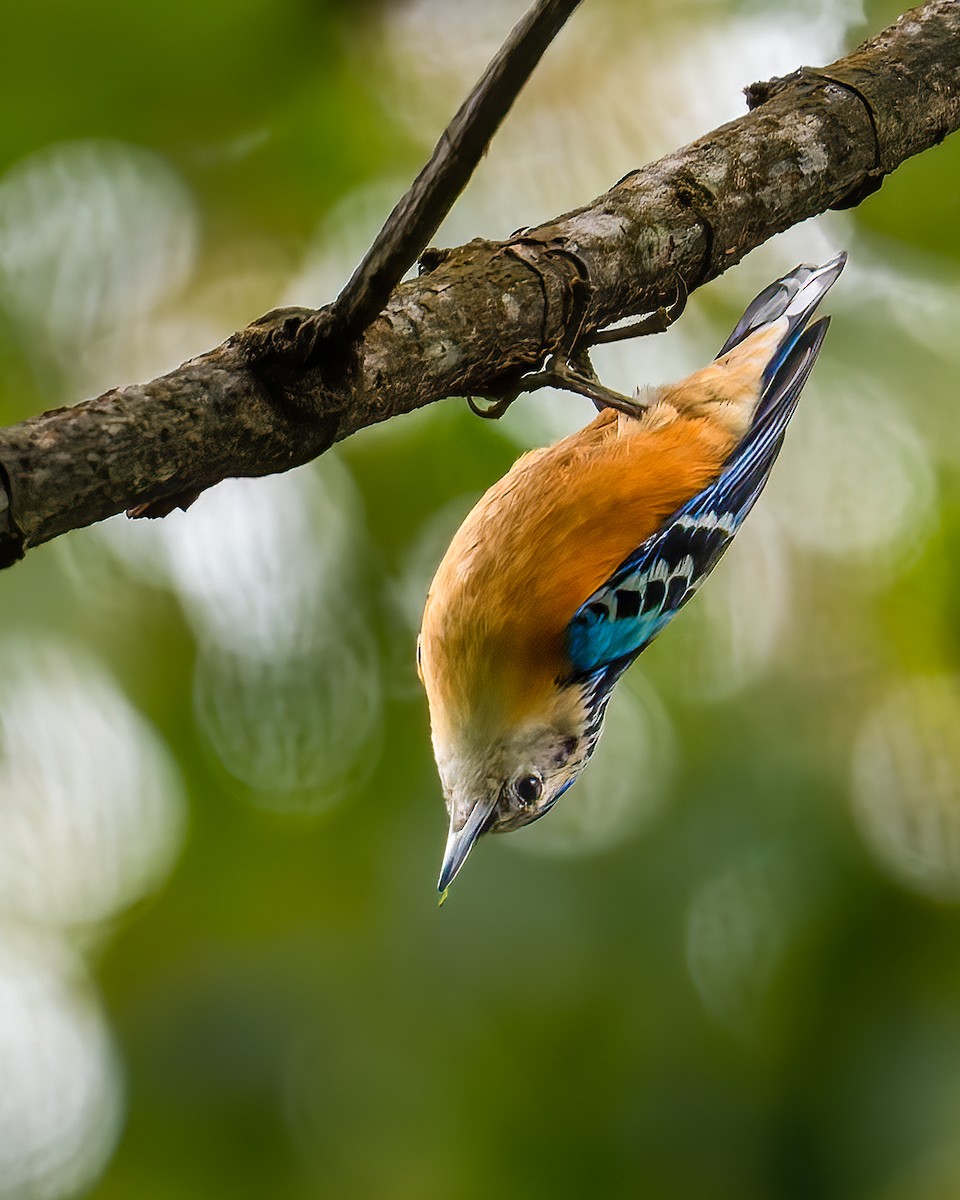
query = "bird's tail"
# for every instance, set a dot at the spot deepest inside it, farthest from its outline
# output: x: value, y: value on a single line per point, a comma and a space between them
x: 798, y: 292
x: 794, y: 296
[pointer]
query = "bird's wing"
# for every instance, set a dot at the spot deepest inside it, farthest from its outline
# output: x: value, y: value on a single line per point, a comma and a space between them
x: 647, y: 590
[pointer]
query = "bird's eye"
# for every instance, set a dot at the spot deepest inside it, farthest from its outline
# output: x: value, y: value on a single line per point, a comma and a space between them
x: 529, y: 789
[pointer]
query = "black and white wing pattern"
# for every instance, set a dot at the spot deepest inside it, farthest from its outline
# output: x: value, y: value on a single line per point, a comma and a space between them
x: 651, y: 586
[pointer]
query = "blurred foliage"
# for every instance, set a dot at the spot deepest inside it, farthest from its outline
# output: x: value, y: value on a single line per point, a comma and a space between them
x: 724, y: 968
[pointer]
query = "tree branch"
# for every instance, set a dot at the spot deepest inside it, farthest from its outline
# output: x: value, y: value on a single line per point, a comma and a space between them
x: 485, y: 312
x: 418, y: 214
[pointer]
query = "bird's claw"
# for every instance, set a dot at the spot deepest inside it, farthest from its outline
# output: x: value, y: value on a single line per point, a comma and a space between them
x: 658, y: 321
x: 577, y: 375
x: 569, y: 368
x: 495, y: 409
x: 564, y: 373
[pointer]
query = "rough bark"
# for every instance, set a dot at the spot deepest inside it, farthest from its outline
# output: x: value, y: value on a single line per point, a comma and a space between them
x: 279, y: 393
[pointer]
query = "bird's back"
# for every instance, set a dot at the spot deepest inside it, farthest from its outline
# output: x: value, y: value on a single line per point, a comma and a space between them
x: 542, y: 539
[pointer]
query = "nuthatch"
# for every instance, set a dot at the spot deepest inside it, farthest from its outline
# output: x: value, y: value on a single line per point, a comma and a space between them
x: 569, y: 566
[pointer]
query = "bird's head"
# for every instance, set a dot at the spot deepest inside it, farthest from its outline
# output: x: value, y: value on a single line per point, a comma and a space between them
x: 499, y: 779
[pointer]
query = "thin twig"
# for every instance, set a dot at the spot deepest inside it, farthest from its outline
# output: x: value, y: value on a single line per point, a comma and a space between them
x: 419, y: 213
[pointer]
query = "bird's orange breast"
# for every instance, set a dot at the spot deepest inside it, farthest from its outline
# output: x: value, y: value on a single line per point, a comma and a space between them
x: 539, y: 543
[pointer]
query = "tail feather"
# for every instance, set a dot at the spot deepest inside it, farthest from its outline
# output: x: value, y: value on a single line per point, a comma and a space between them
x: 795, y: 295
x: 807, y: 286
x: 745, y: 475
x: 740, y: 387
x: 768, y: 306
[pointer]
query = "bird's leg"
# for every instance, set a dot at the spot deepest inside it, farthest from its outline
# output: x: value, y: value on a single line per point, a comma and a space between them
x: 570, y: 375
x: 569, y: 368
x: 655, y: 322
x: 575, y: 373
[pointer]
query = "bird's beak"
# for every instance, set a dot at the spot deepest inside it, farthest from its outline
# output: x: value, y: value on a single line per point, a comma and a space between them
x: 461, y: 841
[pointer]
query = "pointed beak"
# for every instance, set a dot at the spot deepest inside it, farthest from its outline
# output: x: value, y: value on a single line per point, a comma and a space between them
x: 461, y: 841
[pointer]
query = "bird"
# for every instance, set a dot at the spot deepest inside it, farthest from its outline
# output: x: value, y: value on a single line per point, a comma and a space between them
x: 570, y: 565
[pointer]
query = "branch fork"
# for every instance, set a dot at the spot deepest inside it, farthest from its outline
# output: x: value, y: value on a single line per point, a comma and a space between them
x: 489, y: 319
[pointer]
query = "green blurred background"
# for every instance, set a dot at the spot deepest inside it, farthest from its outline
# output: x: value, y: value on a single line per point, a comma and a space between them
x: 727, y: 965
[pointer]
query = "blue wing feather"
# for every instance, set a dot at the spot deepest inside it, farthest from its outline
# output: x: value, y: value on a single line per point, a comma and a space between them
x: 651, y: 586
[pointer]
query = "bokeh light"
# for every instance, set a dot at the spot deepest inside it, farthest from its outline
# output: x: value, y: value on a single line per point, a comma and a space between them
x: 61, y: 1100
x: 739, y: 926
x: 856, y: 481
x: 906, y: 780
x: 300, y: 734
x: 91, y: 819
x: 286, y: 689
x: 91, y: 814
x: 95, y: 235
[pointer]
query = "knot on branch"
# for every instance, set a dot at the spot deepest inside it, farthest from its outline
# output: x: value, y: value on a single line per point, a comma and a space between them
x: 294, y: 336
x: 564, y: 278
x: 764, y: 90
x: 858, y: 82
x: 432, y: 258
x: 304, y: 361
x: 693, y: 195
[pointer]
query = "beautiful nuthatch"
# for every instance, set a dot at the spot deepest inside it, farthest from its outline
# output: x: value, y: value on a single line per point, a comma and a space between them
x: 570, y: 565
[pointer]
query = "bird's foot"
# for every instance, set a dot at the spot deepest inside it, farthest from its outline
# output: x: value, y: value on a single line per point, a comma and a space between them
x: 658, y: 321
x: 570, y: 369
x: 570, y: 375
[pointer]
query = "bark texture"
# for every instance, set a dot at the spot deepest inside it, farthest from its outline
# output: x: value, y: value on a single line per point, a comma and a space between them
x: 280, y: 392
